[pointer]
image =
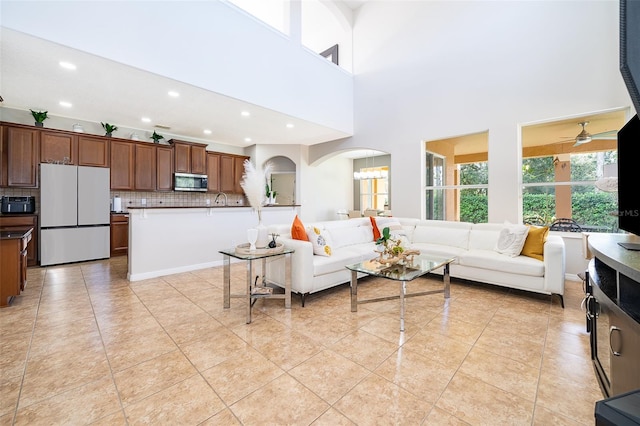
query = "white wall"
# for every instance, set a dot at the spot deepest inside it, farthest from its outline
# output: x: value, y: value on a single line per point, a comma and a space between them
x: 234, y: 54
x: 444, y: 68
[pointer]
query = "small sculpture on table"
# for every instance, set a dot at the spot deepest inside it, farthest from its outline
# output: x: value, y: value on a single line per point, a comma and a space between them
x: 391, y: 250
x: 272, y: 243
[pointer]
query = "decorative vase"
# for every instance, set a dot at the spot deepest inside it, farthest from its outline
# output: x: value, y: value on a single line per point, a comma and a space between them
x: 263, y: 236
x: 252, y: 237
x: 39, y: 124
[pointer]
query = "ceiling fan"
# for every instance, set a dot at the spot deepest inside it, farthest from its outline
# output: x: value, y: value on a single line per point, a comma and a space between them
x: 586, y: 137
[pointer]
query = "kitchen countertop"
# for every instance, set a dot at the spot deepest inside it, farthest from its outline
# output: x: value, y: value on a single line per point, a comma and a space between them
x: 15, y: 234
x: 166, y: 206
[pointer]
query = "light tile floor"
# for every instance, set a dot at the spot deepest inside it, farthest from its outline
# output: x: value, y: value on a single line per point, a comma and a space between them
x: 82, y: 345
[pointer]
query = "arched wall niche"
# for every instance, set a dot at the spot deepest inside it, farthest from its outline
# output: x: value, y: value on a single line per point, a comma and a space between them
x: 283, y: 179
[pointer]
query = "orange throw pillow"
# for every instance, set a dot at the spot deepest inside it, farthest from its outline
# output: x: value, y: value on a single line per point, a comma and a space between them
x: 376, y: 231
x: 297, y: 230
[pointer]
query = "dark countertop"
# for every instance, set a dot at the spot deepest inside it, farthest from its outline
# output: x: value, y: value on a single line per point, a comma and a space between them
x: 15, y: 234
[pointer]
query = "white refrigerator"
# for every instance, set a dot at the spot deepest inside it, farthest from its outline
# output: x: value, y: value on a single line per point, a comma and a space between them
x: 74, y: 213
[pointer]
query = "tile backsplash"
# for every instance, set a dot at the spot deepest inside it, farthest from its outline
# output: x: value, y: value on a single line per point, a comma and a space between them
x: 175, y: 199
x: 153, y: 199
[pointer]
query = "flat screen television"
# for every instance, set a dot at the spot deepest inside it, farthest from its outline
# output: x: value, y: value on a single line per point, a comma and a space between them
x: 628, y: 180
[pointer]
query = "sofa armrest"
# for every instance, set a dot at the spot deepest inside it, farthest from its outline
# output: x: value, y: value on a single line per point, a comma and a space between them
x: 554, y: 264
x: 301, y: 266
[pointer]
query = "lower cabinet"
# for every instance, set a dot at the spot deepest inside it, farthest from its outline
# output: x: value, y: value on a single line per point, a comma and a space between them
x: 21, y: 221
x: 13, y: 263
x: 119, y: 234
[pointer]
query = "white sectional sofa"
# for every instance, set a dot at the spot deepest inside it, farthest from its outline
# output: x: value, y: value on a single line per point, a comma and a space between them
x: 473, y: 246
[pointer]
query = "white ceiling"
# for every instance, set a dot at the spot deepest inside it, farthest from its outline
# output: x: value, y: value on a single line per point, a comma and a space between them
x: 102, y: 90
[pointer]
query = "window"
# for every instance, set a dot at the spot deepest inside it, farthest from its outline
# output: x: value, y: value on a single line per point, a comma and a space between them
x: 374, y: 188
x: 564, y: 187
x: 463, y: 198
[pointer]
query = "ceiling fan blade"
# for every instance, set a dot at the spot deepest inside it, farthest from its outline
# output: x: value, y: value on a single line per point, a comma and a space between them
x: 578, y: 143
x: 610, y: 134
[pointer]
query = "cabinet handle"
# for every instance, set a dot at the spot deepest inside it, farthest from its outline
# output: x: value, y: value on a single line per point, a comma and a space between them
x: 611, y: 330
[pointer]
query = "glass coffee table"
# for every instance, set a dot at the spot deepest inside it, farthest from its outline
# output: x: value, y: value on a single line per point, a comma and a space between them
x: 420, y: 265
x: 253, y: 291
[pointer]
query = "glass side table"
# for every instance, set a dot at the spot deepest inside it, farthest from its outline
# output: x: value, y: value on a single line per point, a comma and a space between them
x: 254, y: 291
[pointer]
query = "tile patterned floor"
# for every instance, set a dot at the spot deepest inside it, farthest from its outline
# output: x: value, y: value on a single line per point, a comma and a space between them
x: 82, y: 345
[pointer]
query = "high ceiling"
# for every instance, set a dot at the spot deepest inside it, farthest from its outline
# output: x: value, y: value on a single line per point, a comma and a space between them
x: 101, y: 90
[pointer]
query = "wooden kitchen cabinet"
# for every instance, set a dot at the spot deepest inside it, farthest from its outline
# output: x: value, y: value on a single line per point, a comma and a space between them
x: 119, y: 234
x: 122, y: 159
x: 145, y: 167
x: 213, y: 172
x: 231, y: 171
x: 164, y: 168
x: 227, y: 173
x: 13, y: 263
x: 93, y: 151
x: 238, y: 172
x: 20, y: 155
x: 22, y: 221
x: 189, y: 157
x: 58, y: 147
x: 199, y: 159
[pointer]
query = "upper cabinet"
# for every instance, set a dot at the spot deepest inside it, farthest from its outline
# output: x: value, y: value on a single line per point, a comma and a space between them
x: 93, y: 151
x: 122, y: 165
x: 58, y: 147
x: 231, y: 171
x: 145, y: 167
x: 134, y: 165
x: 213, y: 172
x: 189, y: 157
x: 164, y: 168
x: 20, y: 155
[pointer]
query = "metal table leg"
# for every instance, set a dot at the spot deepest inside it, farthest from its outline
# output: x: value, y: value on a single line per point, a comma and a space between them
x: 403, y: 291
x: 226, y: 281
x: 354, y: 291
x: 287, y: 281
x: 249, y: 301
x: 447, y: 282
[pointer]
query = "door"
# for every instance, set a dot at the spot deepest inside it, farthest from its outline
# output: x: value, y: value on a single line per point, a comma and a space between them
x: 58, y: 195
x: 93, y: 196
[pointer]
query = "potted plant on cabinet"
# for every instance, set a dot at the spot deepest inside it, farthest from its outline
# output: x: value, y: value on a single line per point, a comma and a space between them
x: 39, y: 116
x: 109, y: 128
x: 156, y: 137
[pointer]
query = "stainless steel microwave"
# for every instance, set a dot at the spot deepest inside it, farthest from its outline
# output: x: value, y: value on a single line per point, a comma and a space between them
x: 189, y: 182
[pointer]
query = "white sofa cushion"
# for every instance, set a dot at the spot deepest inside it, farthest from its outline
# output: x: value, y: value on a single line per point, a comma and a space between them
x: 342, y: 257
x: 438, y: 250
x: 484, y: 236
x: 491, y: 260
x: 454, y: 234
x: 348, y: 236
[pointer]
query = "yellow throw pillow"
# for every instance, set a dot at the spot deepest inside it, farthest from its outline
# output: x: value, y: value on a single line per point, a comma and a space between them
x: 534, y: 244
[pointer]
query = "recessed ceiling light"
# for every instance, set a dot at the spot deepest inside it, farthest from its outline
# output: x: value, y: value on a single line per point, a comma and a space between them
x: 247, y: 139
x: 173, y: 94
x: 65, y: 104
x: 146, y: 119
x: 245, y: 113
x: 290, y: 126
x: 67, y: 65
x: 207, y: 132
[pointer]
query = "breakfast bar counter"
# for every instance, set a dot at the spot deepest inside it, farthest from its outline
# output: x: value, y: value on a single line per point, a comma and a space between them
x: 166, y: 240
